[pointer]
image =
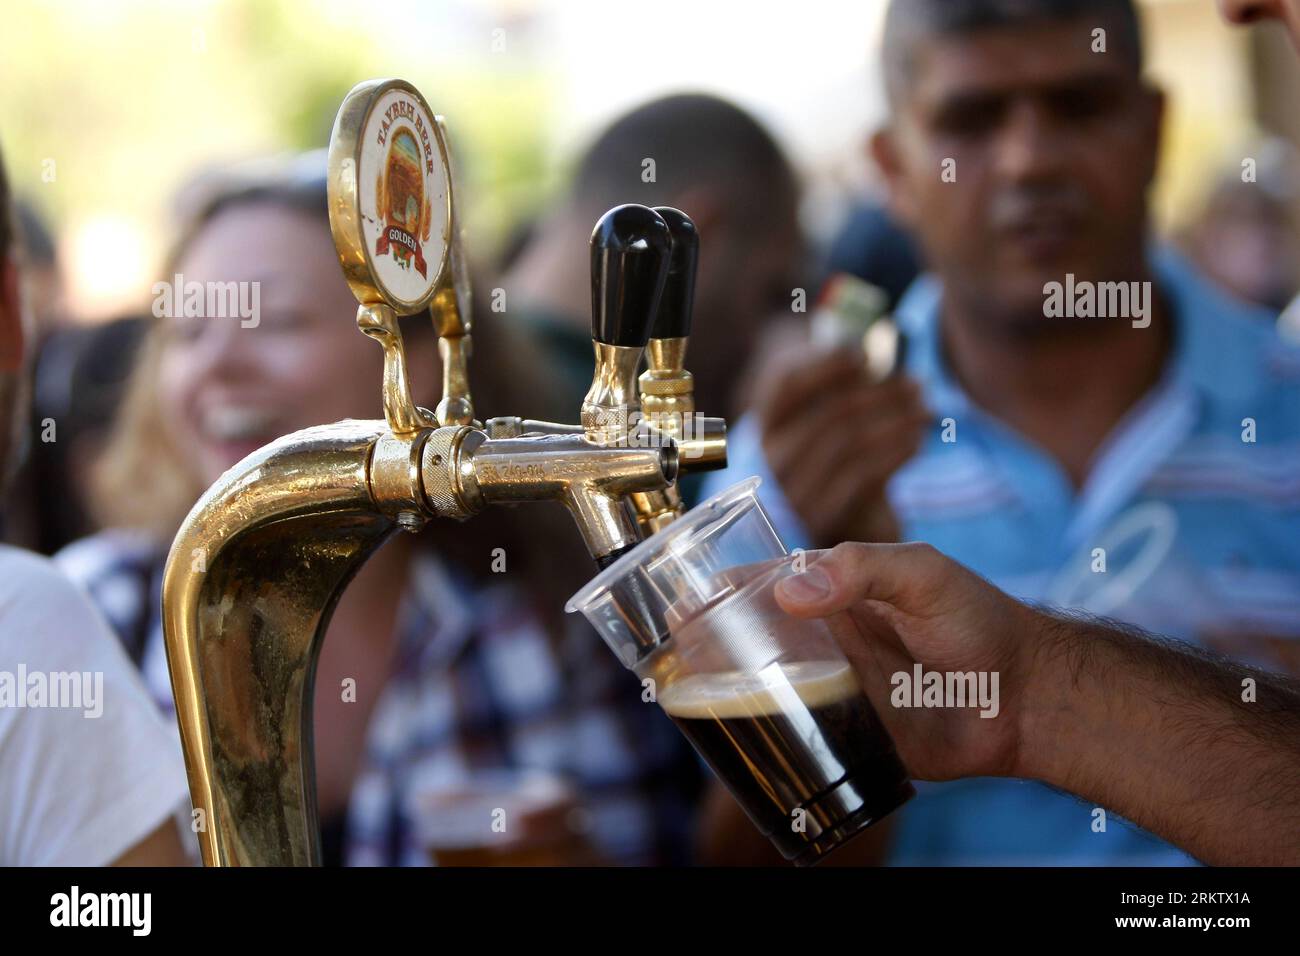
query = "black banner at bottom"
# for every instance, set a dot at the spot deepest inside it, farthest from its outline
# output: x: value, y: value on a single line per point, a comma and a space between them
x: 497, y: 905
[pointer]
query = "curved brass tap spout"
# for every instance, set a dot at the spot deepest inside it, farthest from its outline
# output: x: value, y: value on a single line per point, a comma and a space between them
x: 258, y: 566
x: 248, y: 591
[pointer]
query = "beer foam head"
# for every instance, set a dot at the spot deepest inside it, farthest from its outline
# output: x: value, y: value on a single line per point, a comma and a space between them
x: 776, y: 689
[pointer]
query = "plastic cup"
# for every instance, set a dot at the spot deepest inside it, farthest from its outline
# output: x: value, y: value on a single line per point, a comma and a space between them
x: 769, y: 701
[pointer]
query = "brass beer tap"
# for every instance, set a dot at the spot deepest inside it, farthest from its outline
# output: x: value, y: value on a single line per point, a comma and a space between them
x: 667, y: 389
x: 451, y: 320
x: 260, y: 562
x: 665, y: 408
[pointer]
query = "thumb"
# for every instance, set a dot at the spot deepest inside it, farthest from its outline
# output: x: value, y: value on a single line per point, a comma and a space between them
x: 853, y: 572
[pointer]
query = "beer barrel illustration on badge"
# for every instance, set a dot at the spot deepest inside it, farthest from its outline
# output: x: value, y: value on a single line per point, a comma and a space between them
x: 403, y: 207
x: 390, y: 189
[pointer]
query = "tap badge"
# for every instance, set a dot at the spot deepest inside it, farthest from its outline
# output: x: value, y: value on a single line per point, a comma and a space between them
x: 391, y: 203
x: 401, y: 144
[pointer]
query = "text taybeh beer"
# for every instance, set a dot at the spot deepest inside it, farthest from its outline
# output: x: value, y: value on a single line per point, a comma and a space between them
x: 405, y: 109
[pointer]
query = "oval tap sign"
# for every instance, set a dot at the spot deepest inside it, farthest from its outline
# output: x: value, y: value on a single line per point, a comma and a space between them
x: 390, y: 195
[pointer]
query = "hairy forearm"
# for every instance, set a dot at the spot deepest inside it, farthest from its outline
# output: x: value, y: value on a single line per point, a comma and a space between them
x: 1166, y: 736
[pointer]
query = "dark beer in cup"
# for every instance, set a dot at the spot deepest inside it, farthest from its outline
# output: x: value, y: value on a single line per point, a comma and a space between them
x: 805, y: 755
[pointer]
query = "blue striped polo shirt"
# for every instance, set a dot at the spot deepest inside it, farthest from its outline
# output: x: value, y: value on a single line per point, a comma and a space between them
x: 1193, y: 501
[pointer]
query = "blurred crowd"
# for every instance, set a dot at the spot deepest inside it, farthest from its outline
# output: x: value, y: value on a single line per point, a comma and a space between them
x: 1014, y: 156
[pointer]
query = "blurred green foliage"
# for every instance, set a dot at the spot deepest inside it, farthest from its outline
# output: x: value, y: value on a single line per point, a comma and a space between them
x: 106, y: 108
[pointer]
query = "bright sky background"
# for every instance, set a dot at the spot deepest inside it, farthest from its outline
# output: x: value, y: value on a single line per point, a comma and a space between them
x: 130, y: 97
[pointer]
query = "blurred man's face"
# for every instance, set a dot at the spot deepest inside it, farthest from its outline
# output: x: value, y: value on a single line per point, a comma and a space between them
x: 749, y: 267
x: 1248, y: 11
x: 1018, y: 155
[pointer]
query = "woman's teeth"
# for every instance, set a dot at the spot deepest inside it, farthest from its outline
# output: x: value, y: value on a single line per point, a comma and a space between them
x: 237, y: 424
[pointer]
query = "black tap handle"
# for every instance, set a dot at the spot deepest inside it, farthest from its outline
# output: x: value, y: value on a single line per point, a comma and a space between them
x: 630, y: 249
x: 674, y: 319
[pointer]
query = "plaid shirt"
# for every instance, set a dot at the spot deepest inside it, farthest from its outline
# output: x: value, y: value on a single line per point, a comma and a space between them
x: 477, y: 686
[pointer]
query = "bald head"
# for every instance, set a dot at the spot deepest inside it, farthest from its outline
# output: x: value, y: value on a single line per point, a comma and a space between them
x: 696, y: 141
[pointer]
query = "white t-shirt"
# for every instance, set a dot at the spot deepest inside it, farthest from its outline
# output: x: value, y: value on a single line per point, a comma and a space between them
x: 88, y: 768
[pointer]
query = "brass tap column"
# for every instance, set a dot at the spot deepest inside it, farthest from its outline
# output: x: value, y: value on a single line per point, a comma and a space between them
x: 667, y: 389
x: 452, y: 309
x: 630, y: 248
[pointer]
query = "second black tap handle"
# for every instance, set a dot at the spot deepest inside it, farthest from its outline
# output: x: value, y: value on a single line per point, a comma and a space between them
x: 630, y: 249
x: 674, y: 319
